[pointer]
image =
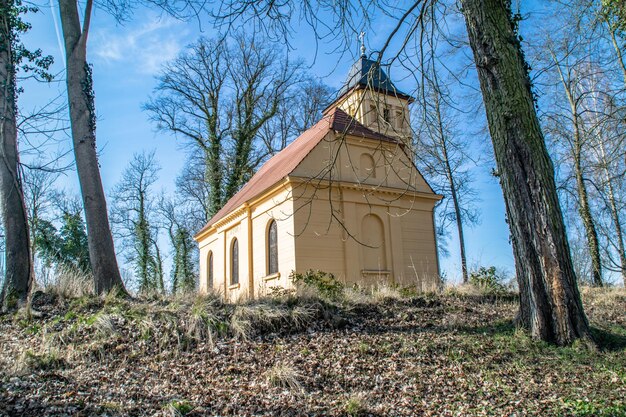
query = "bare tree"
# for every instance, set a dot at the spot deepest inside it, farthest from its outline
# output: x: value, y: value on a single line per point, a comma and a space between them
x: 133, y: 217
x: 176, y: 219
x: 300, y: 109
x: 551, y: 307
x: 606, y: 125
x: 39, y: 194
x: 578, y: 70
x: 442, y: 152
x: 218, y: 97
x: 19, y: 271
x: 576, y: 142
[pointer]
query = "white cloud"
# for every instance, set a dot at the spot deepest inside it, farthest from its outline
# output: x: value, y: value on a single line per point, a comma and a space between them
x: 145, y: 47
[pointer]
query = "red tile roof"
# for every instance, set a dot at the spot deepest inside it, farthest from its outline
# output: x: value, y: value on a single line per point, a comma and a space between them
x: 284, y: 162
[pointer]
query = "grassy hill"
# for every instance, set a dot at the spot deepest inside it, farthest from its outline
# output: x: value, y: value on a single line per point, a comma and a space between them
x: 346, y: 353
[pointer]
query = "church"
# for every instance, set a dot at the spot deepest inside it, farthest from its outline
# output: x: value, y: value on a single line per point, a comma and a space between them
x: 344, y: 197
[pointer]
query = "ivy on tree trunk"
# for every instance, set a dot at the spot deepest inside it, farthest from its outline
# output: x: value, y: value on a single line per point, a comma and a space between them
x: 82, y: 116
x: 19, y: 272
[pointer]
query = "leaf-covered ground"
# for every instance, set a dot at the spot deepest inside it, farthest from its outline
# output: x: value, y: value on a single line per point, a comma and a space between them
x: 446, y: 355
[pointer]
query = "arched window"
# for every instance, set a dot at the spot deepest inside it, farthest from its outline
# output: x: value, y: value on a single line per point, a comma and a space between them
x: 367, y: 166
x: 210, y: 269
x: 272, y: 248
x: 234, y: 262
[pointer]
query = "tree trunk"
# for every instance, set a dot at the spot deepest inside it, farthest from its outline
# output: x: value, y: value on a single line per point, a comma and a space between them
x: 550, y: 304
x: 19, y: 272
x: 591, y: 234
x: 619, y: 235
x: 450, y: 175
x: 83, y: 118
x: 618, y: 51
x: 593, y: 245
x: 213, y: 175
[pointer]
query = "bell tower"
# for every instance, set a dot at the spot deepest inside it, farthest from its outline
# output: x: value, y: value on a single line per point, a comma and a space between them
x: 373, y: 100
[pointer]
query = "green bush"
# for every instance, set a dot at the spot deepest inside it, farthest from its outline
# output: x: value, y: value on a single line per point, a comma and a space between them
x: 325, y: 283
x: 487, y: 279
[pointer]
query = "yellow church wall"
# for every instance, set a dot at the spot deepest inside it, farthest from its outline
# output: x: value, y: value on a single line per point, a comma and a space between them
x: 277, y: 207
x: 252, y: 221
x: 408, y: 248
x: 420, y: 263
x: 318, y: 238
x: 339, y: 245
x: 211, y: 245
x: 220, y: 243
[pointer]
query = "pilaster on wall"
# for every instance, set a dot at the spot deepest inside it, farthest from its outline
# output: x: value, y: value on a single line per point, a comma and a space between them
x: 396, y: 247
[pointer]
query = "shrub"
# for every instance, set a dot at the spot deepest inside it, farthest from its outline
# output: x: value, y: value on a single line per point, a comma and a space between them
x: 323, y: 282
x: 487, y: 279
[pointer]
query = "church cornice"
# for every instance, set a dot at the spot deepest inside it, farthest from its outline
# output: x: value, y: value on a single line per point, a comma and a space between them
x: 370, y: 188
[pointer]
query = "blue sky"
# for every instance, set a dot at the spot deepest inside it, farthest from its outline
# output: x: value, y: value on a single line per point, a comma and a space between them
x: 126, y: 59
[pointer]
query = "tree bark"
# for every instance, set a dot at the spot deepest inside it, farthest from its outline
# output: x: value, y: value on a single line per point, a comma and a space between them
x: 591, y: 234
x: 83, y: 119
x: 550, y: 304
x: 19, y: 271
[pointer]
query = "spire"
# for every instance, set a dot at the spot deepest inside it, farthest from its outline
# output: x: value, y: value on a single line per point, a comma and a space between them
x: 362, y: 36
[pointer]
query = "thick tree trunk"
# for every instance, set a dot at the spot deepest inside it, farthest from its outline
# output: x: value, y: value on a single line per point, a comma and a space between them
x: 83, y: 118
x: 19, y: 272
x: 550, y: 304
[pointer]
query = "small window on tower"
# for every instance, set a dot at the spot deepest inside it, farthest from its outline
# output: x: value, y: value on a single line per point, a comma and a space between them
x: 386, y: 115
x: 399, y: 120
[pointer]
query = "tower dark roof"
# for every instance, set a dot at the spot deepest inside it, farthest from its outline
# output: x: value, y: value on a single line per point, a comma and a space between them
x: 366, y: 73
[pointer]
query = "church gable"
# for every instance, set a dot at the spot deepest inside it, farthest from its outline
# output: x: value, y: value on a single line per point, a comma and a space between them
x: 356, y: 155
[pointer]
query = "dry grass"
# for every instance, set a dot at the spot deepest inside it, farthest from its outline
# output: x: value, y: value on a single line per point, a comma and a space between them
x: 68, y: 283
x: 284, y: 376
x: 30, y: 361
x: 384, y: 291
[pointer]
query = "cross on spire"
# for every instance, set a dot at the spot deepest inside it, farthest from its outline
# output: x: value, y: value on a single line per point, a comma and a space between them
x: 362, y: 37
